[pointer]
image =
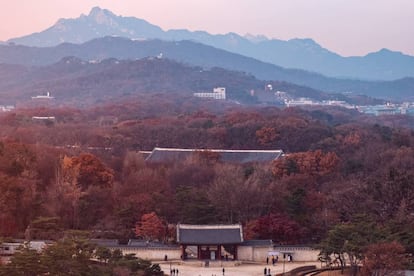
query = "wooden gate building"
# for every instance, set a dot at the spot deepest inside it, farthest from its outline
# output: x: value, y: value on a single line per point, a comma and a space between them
x: 211, y: 242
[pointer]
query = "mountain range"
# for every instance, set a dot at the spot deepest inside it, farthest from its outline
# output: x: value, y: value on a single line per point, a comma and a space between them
x: 303, y: 54
x: 197, y: 54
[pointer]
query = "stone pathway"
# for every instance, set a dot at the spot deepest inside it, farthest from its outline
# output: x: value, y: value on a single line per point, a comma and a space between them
x: 241, y: 270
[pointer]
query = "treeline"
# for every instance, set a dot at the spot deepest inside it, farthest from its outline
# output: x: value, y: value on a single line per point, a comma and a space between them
x: 76, y: 255
x: 340, y: 166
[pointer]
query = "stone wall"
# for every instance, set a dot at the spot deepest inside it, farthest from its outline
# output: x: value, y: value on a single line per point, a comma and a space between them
x: 253, y: 253
x: 153, y: 254
x: 244, y: 253
x: 298, y: 253
x: 259, y: 254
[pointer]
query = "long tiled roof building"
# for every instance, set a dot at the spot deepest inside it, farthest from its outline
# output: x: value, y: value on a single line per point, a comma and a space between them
x: 165, y: 155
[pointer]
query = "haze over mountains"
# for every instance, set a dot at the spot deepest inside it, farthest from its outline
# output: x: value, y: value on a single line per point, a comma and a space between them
x: 197, y: 54
x: 296, y: 53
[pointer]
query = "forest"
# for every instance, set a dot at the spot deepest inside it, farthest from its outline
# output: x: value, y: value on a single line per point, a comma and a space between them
x: 345, y: 183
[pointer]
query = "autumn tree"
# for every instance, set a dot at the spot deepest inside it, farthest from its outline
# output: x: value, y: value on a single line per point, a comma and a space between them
x: 347, y: 241
x: 384, y: 259
x: 76, y: 256
x: 17, y: 203
x: 276, y: 227
x: 44, y: 228
x: 390, y: 188
x: 143, y: 191
x: 194, y: 206
x: 87, y: 170
x: 93, y: 207
x: 84, y: 186
x: 25, y: 262
x: 17, y: 160
x: 312, y: 163
x: 267, y: 136
x: 225, y: 191
x: 151, y: 227
x: 240, y: 193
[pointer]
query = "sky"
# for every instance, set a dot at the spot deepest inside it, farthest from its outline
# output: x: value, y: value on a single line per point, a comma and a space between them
x: 347, y: 27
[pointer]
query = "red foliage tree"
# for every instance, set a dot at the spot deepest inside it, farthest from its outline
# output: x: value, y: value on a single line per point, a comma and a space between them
x: 276, y: 227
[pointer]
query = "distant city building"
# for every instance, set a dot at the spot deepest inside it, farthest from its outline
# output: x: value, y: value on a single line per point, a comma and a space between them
x: 43, y: 97
x: 280, y: 94
x: 108, y: 120
x: 6, y: 108
x: 306, y: 101
x: 44, y: 118
x: 10, y: 248
x: 269, y: 87
x: 43, y: 100
x: 406, y: 108
x: 377, y: 110
x: 219, y: 93
x: 301, y: 101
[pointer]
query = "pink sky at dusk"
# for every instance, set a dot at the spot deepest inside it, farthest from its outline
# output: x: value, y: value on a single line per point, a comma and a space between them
x: 348, y: 27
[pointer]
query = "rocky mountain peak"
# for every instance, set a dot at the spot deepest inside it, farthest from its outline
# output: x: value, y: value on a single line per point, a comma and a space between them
x: 102, y: 16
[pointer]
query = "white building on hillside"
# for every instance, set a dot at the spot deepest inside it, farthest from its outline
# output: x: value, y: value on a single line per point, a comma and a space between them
x: 43, y: 97
x: 219, y: 93
x: 6, y: 108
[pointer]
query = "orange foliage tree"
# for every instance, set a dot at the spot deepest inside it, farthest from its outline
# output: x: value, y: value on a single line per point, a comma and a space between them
x: 84, y: 188
x: 87, y: 170
x: 311, y: 163
x: 151, y: 227
x: 266, y: 136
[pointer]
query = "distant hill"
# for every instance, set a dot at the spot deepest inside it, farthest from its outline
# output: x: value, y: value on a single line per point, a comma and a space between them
x: 198, y: 54
x: 77, y: 82
x: 303, y: 54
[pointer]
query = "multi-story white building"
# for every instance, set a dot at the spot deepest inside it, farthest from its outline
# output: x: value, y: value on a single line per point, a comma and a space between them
x: 219, y: 93
x: 301, y: 101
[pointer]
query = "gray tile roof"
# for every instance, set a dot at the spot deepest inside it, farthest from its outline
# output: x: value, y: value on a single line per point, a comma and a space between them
x: 209, y: 234
x: 144, y: 243
x: 132, y: 243
x: 105, y: 242
x: 261, y: 243
x: 232, y: 156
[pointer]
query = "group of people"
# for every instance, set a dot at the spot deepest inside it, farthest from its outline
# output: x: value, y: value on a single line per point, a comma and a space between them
x: 267, y: 271
x: 274, y: 260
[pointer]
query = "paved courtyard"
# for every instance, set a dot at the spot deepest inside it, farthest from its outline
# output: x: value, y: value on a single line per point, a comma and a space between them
x: 242, y: 270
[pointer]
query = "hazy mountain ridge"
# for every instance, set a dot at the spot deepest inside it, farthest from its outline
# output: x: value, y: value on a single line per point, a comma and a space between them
x: 295, y: 53
x: 205, y: 56
x: 78, y: 81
